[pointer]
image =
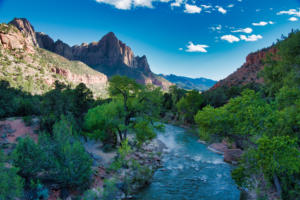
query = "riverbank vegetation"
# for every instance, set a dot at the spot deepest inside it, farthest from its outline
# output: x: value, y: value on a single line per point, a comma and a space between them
x: 262, y: 120
x: 67, y: 117
x: 265, y: 124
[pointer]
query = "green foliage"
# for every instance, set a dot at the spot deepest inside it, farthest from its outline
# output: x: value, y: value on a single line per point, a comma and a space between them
x: 60, y: 158
x: 11, y: 185
x: 266, y: 124
x: 189, y: 105
x: 28, y: 157
x: 144, y: 132
x: 65, y: 101
x: 283, y: 71
x: 14, y: 102
x: 278, y: 155
x: 105, y: 121
x: 133, y: 107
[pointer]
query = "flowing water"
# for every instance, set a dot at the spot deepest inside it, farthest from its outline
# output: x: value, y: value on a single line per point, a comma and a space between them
x: 190, y: 171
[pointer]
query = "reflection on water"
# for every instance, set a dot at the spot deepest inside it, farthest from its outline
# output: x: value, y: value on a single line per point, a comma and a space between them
x: 190, y: 171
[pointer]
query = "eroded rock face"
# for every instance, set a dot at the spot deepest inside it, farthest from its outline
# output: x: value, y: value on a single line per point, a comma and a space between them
x: 12, y: 39
x: 109, y: 55
x: 248, y: 72
x: 25, y: 27
x: 84, y: 78
x: 22, y: 45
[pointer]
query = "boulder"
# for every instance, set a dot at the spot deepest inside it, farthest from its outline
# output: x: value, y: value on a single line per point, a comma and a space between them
x: 232, y: 155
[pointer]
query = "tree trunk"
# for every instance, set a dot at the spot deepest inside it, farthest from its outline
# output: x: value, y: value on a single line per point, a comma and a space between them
x: 277, y: 185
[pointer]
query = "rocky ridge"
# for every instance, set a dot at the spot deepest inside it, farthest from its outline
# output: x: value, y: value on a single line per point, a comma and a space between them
x: 109, y: 55
x: 34, y: 69
x: 249, y: 71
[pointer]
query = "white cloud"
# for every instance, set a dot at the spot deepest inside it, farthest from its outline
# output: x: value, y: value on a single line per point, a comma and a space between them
x: 293, y: 19
x: 251, y: 38
x: 177, y: 3
x: 221, y: 9
x: 216, y: 28
x: 230, y: 38
x: 290, y: 12
x: 120, y: 4
x: 206, y: 6
x: 180, y: 49
x: 128, y: 4
x: 271, y: 22
x: 262, y: 23
x: 230, y: 6
x: 196, y: 47
x: 243, y: 30
x: 192, y: 9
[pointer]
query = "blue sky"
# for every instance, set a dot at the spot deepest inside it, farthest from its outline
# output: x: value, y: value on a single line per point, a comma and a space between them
x: 195, y: 38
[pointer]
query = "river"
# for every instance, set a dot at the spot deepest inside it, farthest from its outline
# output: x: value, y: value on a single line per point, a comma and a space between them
x: 190, y: 171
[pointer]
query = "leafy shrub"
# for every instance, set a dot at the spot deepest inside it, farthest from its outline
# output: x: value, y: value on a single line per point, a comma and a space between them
x: 11, y: 185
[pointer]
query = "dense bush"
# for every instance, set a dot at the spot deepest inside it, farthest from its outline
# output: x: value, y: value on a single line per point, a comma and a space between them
x: 11, y: 185
x: 60, y: 159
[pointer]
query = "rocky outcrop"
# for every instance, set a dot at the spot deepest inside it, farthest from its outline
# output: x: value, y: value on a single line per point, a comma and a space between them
x: 18, y: 48
x: 109, y: 55
x: 248, y: 72
x: 26, y: 28
x: 12, y: 39
x: 231, y: 153
x: 76, y: 78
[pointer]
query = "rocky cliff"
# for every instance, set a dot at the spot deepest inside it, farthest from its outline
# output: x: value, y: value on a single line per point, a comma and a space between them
x: 35, y: 70
x: 248, y: 72
x: 109, y: 55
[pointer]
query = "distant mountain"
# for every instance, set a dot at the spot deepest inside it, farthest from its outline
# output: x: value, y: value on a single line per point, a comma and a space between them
x: 249, y: 71
x: 109, y: 55
x: 35, y: 70
x: 187, y: 83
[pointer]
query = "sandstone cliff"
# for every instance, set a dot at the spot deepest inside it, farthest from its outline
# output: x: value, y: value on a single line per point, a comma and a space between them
x: 109, y: 55
x: 248, y: 72
x: 33, y: 69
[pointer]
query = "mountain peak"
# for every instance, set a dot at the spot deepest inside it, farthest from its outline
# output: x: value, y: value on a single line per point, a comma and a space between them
x: 26, y: 28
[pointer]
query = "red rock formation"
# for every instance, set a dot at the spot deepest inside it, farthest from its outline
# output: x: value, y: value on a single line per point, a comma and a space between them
x: 83, y: 78
x: 12, y: 39
x: 23, y: 44
x: 109, y: 56
x: 25, y: 27
x: 248, y: 72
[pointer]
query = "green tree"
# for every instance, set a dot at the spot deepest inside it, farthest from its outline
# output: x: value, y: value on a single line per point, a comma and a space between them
x: 11, y: 185
x: 133, y: 106
x: 189, y: 105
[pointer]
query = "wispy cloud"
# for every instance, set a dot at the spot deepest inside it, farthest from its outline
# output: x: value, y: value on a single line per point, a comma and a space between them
x: 128, y: 4
x: 262, y: 23
x: 177, y: 3
x: 243, y: 30
x: 251, y: 38
x: 192, y: 9
x: 290, y: 12
x: 191, y: 47
x: 206, y: 6
x: 230, y: 38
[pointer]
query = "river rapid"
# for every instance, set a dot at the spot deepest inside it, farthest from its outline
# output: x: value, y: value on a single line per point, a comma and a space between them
x: 190, y: 171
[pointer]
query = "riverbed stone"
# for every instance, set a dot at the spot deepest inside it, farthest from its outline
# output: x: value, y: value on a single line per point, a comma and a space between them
x: 232, y: 155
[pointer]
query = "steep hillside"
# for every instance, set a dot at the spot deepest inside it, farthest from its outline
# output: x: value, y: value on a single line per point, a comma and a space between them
x: 187, y: 83
x: 35, y: 70
x: 109, y: 55
x: 248, y: 72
